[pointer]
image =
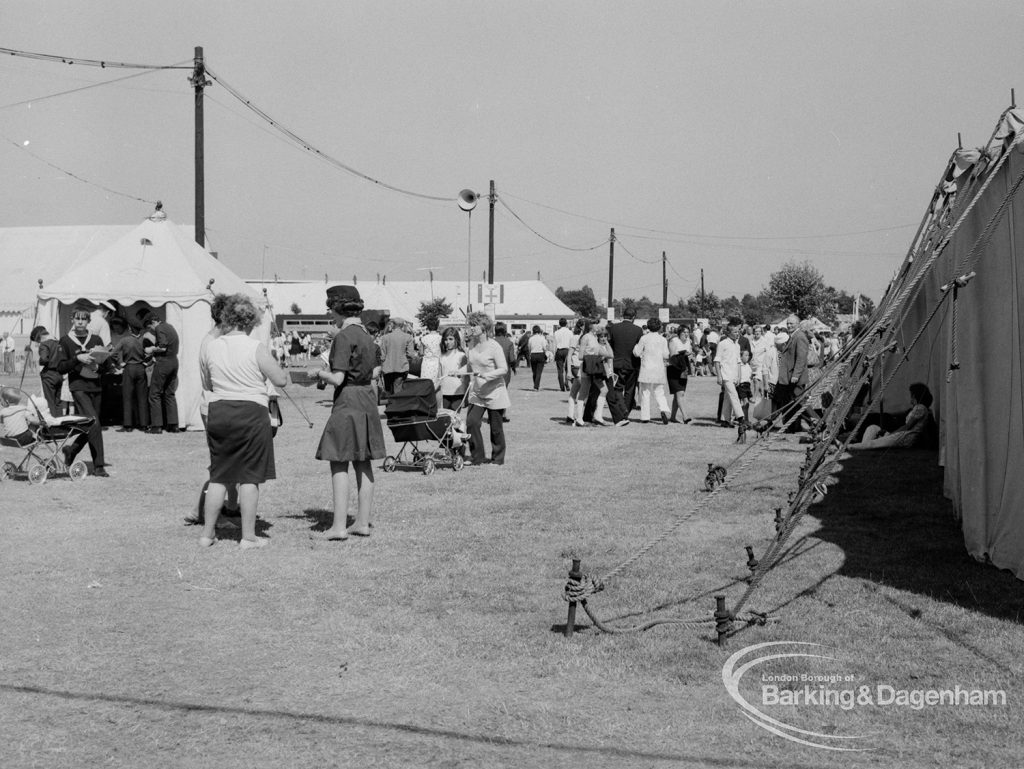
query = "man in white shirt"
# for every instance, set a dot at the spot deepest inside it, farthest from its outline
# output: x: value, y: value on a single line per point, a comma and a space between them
x: 727, y: 368
x: 563, y: 341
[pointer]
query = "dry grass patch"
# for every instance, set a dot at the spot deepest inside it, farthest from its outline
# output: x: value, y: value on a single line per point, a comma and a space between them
x: 436, y: 641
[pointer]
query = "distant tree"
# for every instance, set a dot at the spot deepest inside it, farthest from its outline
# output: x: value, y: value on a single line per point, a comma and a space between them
x: 582, y: 300
x: 758, y: 309
x: 710, y: 307
x: 800, y: 288
x: 435, y: 308
x: 733, y: 308
x: 296, y: 310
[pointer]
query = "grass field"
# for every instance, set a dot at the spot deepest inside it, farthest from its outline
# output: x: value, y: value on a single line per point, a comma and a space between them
x: 437, y: 641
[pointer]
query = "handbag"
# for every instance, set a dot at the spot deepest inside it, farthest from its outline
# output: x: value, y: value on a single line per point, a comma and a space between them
x: 593, y: 365
x: 276, y: 420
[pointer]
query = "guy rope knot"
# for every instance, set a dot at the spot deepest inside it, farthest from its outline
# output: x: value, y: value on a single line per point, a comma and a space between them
x: 579, y: 589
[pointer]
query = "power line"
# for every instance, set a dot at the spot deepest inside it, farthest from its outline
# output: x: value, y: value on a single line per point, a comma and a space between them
x: 642, y: 261
x: 76, y: 90
x: 544, y: 238
x: 88, y: 62
x: 711, y: 237
x: 75, y: 176
x: 308, y: 146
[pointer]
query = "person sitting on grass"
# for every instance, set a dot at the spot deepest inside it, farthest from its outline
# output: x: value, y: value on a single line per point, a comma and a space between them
x: 913, y: 432
x: 15, y: 418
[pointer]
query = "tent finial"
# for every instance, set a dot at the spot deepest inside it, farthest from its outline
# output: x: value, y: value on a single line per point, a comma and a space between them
x: 209, y: 285
x: 158, y: 214
x: 40, y: 282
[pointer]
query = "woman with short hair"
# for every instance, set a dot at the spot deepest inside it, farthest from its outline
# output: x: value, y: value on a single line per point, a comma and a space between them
x: 353, y: 434
x: 234, y: 369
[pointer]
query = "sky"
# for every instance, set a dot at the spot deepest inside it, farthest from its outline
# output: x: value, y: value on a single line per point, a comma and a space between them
x: 734, y: 137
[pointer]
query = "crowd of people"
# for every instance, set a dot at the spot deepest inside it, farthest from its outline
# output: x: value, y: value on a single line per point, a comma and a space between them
x: 615, y: 366
x: 107, y: 361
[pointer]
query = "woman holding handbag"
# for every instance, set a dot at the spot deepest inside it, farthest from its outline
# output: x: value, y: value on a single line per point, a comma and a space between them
x: 595, y: 356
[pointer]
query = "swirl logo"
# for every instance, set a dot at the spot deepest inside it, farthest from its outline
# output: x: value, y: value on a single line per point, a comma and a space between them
x: 740, y: 663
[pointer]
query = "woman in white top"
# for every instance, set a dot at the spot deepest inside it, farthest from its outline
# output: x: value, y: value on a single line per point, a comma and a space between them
x: 652, y: 350
x: 452, y: 375
x: 537, y: 345
x: 430, y: 346
x: 487, y: 392
x: 234, y: 369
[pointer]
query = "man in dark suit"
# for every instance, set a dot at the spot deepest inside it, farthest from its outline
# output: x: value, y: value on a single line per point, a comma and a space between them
x: 623, y: 338
x: 163, y: 404
x: 792, y: 370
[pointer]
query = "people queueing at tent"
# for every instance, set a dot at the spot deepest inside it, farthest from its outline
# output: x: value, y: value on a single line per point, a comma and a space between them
x: 353, y: 434
x: 163, y: 404
x: 131, y: 357
x: 51, y: 379
x: 81, y: 366
x: 234, y: 369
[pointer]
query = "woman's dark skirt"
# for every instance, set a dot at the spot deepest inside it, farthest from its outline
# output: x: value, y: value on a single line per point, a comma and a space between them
x: 353, y: 432
x: 676, y: 380
x: 241, y: 444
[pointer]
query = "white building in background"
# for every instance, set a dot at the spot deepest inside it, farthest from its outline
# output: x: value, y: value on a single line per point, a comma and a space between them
x: 520, y: 304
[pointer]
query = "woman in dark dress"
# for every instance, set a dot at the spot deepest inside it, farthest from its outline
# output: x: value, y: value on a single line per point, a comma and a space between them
x: 353, y: 434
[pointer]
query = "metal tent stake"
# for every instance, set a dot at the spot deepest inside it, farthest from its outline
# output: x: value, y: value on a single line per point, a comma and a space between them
x: 575, y: 575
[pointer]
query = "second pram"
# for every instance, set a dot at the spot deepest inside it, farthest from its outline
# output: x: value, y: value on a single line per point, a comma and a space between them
x: 428, y: 437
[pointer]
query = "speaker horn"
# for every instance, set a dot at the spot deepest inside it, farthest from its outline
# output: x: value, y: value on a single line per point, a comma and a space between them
x: 467, y: 200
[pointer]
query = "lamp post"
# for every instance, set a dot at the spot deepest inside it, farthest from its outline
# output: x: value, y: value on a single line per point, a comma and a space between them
x: 467, y: 202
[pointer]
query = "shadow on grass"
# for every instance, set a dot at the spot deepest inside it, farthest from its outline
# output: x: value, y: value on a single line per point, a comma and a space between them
x: 415, y: 730
x: 895, y: 527
x: 320, y: 519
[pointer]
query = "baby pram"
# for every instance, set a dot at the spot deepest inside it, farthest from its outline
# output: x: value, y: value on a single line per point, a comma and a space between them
x: 428, y: 437
x: 43, y: 456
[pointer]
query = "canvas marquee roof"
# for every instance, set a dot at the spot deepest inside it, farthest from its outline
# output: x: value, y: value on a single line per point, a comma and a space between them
x: 156, y: 262
x: 30, y: 254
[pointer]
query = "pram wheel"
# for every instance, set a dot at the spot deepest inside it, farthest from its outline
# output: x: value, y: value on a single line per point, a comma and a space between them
x: 8, y: 471
x: 389, y: 464
x: 38, y: 474
x: 458, y: 462
x: 428, y: 466
x: 77, y: 471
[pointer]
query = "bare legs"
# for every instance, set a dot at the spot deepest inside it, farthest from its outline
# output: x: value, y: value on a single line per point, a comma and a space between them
x: 248, y: 499
x: 364, y: 495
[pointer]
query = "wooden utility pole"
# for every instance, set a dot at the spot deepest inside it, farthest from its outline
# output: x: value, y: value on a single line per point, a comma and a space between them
x: 664, y: 281
x: 611, y: 265
x: 490, y: 238
x: 703, y: 314
x: 199, y: 82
